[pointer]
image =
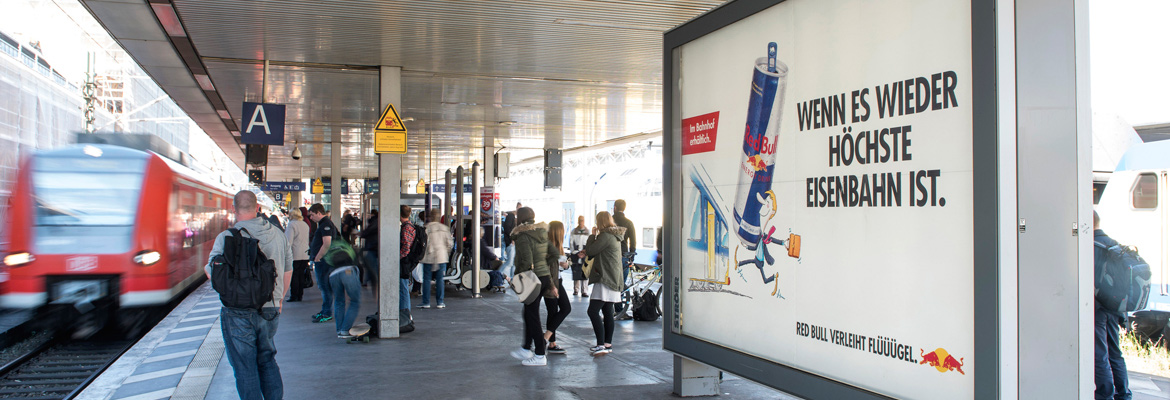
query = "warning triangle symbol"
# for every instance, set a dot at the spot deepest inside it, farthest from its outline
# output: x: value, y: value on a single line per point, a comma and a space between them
x: 389, y: 122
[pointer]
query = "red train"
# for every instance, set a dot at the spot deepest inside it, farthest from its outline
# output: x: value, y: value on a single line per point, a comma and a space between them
x: 96, y: 225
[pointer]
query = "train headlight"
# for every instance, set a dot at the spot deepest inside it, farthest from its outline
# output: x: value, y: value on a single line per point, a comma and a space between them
x: 147, y: 257
x: 18, y: 259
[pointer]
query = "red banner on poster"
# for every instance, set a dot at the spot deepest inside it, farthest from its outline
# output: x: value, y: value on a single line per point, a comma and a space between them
x: 699, y: 133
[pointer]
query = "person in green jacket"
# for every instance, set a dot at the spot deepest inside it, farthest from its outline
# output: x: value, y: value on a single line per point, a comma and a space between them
x: 531, y: 241
x: 604, y: 246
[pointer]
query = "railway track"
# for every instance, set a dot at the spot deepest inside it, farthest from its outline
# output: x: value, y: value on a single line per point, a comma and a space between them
x: 58, y: 369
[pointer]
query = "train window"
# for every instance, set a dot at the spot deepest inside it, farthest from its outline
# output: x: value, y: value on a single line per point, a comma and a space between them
x: 80, y: 209
x: 1145, y: 192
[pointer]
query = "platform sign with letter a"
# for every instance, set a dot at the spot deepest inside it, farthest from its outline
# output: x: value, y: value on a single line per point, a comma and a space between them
x: 262, y: 124
x: 390, y: 133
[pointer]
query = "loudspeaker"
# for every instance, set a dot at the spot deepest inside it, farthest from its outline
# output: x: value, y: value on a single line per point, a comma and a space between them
x: 552, y: 168
x: 256, y: 154
x: 552, y: 158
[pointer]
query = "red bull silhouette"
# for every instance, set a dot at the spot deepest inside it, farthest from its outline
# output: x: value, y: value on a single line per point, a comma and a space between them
x: 931, y: 359
x: 941, y: 361
x: 951, y: 365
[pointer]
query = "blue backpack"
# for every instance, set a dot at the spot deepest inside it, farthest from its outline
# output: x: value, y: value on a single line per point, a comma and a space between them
x: 1123, y: 279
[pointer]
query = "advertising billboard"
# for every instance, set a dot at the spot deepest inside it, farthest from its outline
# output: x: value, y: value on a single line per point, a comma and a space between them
x: 824, y: 176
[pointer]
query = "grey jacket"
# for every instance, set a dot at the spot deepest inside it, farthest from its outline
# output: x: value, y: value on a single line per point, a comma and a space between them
x: 272, y: 243
x: 297, y: 234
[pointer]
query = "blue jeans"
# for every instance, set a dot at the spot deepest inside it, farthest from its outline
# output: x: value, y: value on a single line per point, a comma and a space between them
x: 438, y: 277
x: 319, y: 269
x: 371, y: 267
x: 251, y: 351
x: 346, y: 283
x: 1109, y: 366
x: 404, y: 294
x: 509, y: 257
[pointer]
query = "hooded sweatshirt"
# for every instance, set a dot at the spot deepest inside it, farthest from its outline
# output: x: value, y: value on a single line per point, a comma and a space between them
x: 531, y: 248
x: 274, y: 245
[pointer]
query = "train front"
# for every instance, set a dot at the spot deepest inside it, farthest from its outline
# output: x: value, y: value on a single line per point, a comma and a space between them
x: 75, y: 239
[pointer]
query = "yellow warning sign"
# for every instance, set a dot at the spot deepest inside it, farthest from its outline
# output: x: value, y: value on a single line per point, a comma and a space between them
x: 390, y: 133
x: 421, y: 187
x: 390, y: 121
x: 318, y: 186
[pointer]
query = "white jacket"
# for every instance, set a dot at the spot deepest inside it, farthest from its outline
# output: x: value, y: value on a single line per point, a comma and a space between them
x: 440, y: 241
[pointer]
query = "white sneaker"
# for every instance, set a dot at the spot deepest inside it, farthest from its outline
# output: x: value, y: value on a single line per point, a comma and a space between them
x: 522, y: 354
x: 534, y: 361
x: 599, y: 351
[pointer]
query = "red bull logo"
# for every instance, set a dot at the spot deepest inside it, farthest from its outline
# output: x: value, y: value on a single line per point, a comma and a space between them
x: 942, y: 361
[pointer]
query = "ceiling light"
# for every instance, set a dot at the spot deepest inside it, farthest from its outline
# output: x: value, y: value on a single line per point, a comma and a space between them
x: 507, y: 123
x: 408, y: 119
x: 223, y: 114
x: 169, y: 20
x: 204, y: 82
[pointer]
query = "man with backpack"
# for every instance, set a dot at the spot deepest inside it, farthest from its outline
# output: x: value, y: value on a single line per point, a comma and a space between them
x: 250, y: 267
x: 1110, y: 374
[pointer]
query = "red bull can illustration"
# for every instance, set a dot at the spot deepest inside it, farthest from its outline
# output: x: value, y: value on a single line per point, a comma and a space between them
x: 760, y: 139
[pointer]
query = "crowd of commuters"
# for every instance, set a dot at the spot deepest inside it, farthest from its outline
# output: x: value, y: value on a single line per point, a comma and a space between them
x: 598, y: 258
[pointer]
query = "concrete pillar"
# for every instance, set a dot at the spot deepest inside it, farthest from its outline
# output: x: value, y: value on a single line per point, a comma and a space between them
x: 693, y: 379
x: 389, y: 223
x: 335, y: 173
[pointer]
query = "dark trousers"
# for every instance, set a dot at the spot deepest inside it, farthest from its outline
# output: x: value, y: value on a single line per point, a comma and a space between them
x: 558, y: 309
x: 533, y: 333
x: 603, y: 329
x: 1109, y: 366
x: 297, y: 286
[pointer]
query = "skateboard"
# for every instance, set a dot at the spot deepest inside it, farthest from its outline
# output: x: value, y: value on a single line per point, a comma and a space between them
x: 360, y: 332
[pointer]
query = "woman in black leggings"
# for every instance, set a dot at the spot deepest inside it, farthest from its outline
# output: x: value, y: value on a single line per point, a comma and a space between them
x: 556, y: 301
x: 606, y: 275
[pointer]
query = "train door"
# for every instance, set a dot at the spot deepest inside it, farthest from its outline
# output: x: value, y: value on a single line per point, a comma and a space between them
x: 1164, y: 242
x: 569, y: 218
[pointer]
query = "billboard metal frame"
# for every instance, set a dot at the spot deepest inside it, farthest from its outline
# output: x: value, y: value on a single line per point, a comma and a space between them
x: 986, y: 266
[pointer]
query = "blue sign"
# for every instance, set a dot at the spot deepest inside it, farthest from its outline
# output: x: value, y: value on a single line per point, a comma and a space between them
x: 327, y: 181
x: 372, y: 185
x: 284, y: 186
x: 278, y: 197
x: 262, y: 124
x: 442, y: 187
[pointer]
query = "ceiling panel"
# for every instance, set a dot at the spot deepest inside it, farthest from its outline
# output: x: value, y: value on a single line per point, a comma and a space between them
x: 521, y: 74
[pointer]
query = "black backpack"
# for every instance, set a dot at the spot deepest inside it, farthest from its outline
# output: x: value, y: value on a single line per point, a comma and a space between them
x: 646, y: 307
x: 1123, y: 281
x: 243, y: 276
x: 418, y: 248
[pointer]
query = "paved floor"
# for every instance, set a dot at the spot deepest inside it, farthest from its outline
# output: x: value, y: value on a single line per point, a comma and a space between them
x: 461, y: 352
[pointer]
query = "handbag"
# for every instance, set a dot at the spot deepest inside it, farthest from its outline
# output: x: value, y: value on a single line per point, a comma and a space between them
x: 588, y: 267
x: 307, y: 278
x: 526, y: 286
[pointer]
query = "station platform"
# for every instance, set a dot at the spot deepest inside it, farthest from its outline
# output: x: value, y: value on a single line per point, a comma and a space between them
x: 457, y: 352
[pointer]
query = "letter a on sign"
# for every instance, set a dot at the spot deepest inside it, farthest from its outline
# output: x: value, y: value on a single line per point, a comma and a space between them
x: 263, y: 124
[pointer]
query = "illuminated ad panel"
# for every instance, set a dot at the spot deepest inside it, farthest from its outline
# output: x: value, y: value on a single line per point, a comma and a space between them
x: 826, y: 192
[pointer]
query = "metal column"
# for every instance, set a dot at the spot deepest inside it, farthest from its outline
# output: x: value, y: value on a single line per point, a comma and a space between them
x: 476, y: 230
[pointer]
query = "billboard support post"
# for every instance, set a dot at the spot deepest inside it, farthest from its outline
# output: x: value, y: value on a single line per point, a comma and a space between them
x: 694, y: 379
